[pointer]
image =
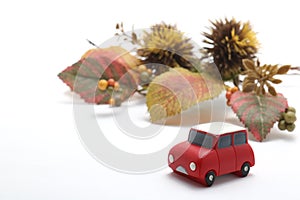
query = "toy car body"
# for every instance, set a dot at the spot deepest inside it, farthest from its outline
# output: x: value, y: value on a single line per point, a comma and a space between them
x: 212, y: 149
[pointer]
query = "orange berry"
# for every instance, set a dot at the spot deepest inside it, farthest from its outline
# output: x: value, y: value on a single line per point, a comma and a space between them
x: 102, y: 84
x: 234, y: 89
x: 228, y: 95
x: 227, y: 88
x: 111, y: 82
x: 228, y: 103
x: 149, y: 71
x: 142, y: 68
x: 116, y: 86
x: 111, y: 101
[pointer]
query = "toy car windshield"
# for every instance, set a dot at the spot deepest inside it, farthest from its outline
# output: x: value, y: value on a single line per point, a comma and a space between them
x: 200, y: 139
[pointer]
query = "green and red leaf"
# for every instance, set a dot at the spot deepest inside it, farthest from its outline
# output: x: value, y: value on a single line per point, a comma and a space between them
x: 258, y: 112
x: 114, y: 62
x: 178, y: 89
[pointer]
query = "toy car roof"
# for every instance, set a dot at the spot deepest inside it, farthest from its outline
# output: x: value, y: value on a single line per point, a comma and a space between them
x: 218, y: 128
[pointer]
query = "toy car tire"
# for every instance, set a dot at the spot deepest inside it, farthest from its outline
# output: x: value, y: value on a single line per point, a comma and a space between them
x: 210, y: 178
x: 245, y: 169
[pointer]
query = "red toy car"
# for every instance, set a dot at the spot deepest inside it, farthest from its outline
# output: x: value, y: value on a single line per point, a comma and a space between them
x: 212, y: 149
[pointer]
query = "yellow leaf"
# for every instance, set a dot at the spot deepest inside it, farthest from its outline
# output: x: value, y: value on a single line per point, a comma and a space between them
x: 179, y: 89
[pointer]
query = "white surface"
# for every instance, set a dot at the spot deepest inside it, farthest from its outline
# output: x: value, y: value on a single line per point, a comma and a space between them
x: 41, y: 156
x: 218, y: 128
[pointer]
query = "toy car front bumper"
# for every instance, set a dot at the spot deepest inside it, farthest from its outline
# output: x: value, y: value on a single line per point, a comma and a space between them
x: 181, y: 170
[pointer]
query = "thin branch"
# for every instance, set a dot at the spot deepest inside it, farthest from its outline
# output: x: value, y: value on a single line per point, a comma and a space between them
x: 92, y: 43
x: 295, y: 68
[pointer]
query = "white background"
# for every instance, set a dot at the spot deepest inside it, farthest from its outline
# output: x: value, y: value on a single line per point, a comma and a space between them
x: 41, y: 156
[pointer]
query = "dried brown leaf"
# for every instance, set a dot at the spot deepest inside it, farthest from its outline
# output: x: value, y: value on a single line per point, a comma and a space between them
x: 249, y: 87
x: 273, y: 70
x: 261, y: 77
x: 267, y: 67
x: 283, y: 69
x: 272, y: 90
x: 250, y: 78
x: 247, y: 82
x: 248, y: 64
x: 253, y: 74
x: 275, y: 81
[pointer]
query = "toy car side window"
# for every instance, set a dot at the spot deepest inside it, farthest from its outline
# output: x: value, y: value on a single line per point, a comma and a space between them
x: 239, y: 138
x: 224, y: 141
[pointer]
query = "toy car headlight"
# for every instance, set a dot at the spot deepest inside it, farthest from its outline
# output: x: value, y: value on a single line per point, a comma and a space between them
x: 171, y: 158
x: 193, y: 166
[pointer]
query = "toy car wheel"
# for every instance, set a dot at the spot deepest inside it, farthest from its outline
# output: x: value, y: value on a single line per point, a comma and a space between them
x: 210, y: 178
x: 245, y: 169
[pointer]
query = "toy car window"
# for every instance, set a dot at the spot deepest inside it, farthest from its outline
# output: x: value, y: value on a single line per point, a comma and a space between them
x: 239, y: 138
x: 200, y: 139
x: 224, y: 141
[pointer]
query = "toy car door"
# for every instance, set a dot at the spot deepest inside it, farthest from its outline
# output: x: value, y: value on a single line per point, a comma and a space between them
x: 243, y: 150
x: 226, y: 154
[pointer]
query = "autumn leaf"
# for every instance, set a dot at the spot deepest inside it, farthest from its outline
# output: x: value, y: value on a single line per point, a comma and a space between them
x: 177, y: 90
x: 114, y: 62
x: 258, y: 77
x: 69, y: 74
x: 258, y: 112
